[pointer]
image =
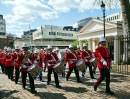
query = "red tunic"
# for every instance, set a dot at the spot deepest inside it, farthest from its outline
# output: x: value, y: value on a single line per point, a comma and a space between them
x: 86, y: 55
x: 27, y: 63
x: 15, y: 58
x: 71, y: 57
x: 51, y: 59
x: 78, y: 53
x: 9, y: 60
x: 38, y: 60
x: 4, y: 58
x: 103, y: 53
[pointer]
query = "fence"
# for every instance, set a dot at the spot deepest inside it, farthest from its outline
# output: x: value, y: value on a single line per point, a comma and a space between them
x: 119, y: 47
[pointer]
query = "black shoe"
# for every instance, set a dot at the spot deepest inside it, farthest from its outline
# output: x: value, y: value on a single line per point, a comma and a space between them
x: 33, y: 91
x: 66, y: 78
x: 79, y: 81
x: 95, y: 87
x: 12, y: 79
x: 23, y: 88
x: 110, y: 92
x: 16, y: 82
x: 93, y: 77
x: 58, y: 86
x: 48, y: 83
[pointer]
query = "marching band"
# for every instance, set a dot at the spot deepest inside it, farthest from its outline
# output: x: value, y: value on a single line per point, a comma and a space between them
x: 32, y: 64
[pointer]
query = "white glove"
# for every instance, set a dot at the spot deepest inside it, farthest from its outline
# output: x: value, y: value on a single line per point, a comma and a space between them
x: 86, y: 60
x: 35, y: 62
x: 70, y: 62
x: 104, y: 63
x: 24, y: 66
x: 48, y: 64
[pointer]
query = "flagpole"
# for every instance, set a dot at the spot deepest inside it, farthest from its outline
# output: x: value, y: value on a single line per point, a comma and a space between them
x: 30, y: 37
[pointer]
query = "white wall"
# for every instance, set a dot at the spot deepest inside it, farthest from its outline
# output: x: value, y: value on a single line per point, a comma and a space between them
x: 46, y: 29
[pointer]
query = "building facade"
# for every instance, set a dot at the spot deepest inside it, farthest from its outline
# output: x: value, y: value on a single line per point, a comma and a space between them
x: 94, y: 29
x: 2, y: 27
x: 50, y: 35
x: 83, y: 22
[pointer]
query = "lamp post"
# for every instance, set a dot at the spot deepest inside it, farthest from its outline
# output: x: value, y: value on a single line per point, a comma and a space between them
x: 103, y: 10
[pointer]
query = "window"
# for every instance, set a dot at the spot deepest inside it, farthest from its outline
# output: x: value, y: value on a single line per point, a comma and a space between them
x: 52, y: 33
x: 117, y: 16
x: 2, y: 33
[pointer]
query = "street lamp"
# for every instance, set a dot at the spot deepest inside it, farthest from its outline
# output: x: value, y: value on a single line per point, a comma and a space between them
x: 103, y: 10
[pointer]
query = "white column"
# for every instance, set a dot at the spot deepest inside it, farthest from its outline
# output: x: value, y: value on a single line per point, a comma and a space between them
x: 93, y: 45
x: 90, y: 44
x: 80, y: 44
x: 116, y: 50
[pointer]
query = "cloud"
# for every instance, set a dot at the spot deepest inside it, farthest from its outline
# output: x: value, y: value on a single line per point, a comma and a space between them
x: 80, y: 5
x: 75, y: 25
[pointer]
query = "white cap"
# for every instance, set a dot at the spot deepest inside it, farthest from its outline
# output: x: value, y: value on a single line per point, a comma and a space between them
x: 8, y: 49
x: 102, y: 39
x: 17, y: 47
x: 36, y: 51
x: 49, y: 47
x: 5, y: 47
x: 78, y: 46
x: 45, y: 48
x: 54, y: 50
x: 25, y: 45
x: 57, y: 49
x: 85, y: 45
x: 71, y: 46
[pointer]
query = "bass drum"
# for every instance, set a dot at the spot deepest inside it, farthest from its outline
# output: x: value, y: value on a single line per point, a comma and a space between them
x: 34, y: 70
x: 81, y: 65
x: 59, y: 67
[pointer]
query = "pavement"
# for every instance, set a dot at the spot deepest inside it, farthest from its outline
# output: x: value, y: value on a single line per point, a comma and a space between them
x: 120, y: 84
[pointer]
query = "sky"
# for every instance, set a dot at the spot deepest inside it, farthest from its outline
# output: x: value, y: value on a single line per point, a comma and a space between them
x: 20, y: 13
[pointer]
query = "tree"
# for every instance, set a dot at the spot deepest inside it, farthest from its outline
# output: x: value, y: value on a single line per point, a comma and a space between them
x: 77, y: 43
x: 125, y: 6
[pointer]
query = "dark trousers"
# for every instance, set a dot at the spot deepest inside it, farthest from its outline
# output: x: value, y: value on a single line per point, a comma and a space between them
x: 10, y: 70
x: 2, y: 67
x: 90, y: 70
x: 16, y: 74
x: 104, y: 73
x: 55, y: 76
x: 31, y: 80
x: 76, y: 73
x: 63, y: 73
x: 40, y: 76
x: 5, y: 69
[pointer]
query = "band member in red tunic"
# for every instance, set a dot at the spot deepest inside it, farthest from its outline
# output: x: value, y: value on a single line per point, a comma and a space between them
x: 72, y: 58
x: 38, y: 60
x: 9, y: 64
x: 78, y: 51
x: 86, y: 55
x: 1, y: 64
x: 27, y: 60
x: 104, y: 65
x: 50, y: 59
x: 16, y: 63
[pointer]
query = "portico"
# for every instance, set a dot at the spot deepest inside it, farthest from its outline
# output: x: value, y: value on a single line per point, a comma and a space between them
x: 93, y: 30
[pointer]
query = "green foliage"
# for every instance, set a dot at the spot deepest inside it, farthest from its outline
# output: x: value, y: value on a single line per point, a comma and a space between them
x: 77, y: 43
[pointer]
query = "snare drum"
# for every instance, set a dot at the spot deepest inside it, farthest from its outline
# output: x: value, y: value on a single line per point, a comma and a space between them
x: 93, y: 61
x: 81, y: 65
x: 59, y: 67
x: 34, y: 70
